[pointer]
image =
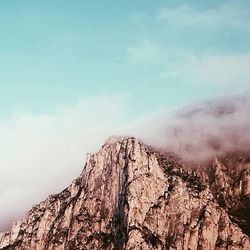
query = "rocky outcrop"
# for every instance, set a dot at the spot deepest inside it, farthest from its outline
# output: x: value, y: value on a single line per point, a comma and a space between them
x: 132, y: 197
x: 230, y: 184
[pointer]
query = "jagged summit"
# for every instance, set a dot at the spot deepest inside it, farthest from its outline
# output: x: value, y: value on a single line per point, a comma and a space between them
x: 130, y: 196
x: 116, y: 139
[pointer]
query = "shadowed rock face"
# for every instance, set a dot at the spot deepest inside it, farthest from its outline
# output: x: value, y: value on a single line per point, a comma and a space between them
x: 132, y: 197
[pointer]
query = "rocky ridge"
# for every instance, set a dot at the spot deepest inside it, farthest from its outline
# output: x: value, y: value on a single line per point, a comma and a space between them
x: 130, y: 196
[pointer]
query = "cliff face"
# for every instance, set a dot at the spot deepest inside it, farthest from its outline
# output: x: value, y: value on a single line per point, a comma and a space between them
x: 131, y: 197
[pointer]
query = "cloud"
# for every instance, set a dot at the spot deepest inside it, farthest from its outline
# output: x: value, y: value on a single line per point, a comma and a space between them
x: 221, y: 70
x: 153, y: 53
x: 202, y: 130
x: 189, y: 68
x: 215, y: 55
x: 230, y: 15
x: 42, y: 154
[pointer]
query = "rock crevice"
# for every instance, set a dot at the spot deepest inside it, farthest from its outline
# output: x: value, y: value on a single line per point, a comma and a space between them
x: 130, y: 196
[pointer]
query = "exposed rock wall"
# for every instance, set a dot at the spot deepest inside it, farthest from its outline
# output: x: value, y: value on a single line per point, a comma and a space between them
x: 131, y: 197
x: 230, y: 184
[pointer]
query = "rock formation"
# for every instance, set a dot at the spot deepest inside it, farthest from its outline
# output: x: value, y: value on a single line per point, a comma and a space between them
x: 130, y: 196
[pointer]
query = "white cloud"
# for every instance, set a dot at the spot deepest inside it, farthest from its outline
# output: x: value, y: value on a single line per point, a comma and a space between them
x: 191, y: 65
x: 212, y: 70
x: 185, y: 66
x: 152, y: 53
x: 201, y: 130
x: 42, y: 154
x: 230, y: 15
x: 225, y: 69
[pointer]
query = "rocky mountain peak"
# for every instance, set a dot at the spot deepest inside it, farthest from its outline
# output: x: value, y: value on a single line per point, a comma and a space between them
x: 130, y: 196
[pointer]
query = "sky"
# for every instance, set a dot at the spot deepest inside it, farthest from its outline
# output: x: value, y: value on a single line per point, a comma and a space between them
x: 159, y: 53
x: 73, y: 73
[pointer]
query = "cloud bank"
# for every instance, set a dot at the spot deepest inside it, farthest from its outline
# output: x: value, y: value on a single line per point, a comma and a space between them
x: 201, y: 130
x: 40, y: 155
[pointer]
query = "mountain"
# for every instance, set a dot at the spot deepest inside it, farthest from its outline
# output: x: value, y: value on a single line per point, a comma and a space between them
x: 130, y: 196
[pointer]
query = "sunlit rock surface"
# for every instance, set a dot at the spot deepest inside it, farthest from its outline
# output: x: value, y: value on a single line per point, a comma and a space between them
x: 132, y: 197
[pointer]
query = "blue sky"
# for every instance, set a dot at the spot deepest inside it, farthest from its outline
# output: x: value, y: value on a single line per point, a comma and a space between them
x: 158, y: 53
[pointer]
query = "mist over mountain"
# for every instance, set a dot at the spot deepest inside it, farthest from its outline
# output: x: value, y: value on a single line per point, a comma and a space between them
x: 202, y: 130
x: 48, y: 161
x: 130, y: 196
